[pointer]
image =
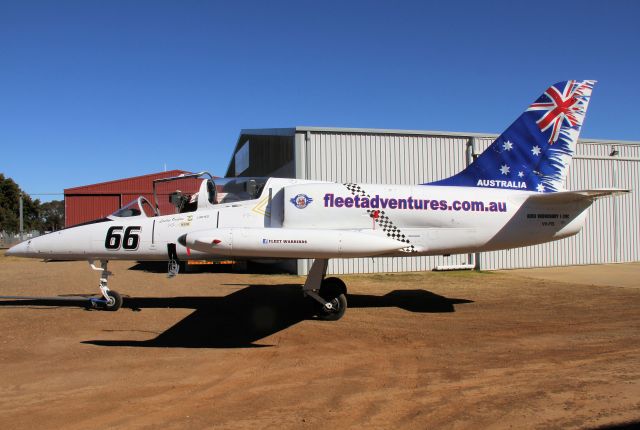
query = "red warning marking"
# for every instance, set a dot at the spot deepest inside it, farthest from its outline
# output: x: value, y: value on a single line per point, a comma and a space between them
x: 375, y: 214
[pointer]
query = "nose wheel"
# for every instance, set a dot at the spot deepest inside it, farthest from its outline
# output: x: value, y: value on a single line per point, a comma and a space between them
x: 111, y: 300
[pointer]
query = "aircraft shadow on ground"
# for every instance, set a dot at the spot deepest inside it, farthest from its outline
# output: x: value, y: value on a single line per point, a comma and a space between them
x: 629, y: 425
x: 246, y: 316
x: 250, y: 267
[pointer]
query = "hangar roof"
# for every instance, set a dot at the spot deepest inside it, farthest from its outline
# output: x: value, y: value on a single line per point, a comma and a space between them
x: 303, y: 129
x: 133, y: 185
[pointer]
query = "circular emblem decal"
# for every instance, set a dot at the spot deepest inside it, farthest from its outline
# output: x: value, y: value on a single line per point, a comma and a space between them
x: 301, y: 201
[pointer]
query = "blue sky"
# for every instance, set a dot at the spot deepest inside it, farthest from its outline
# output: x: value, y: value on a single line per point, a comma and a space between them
x: 98, y: 90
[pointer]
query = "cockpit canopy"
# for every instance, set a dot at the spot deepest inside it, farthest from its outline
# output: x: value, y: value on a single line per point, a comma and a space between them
x: 239, y: 189
x: 212, y: 192
x: 138, y: 207
x: 218, y: 191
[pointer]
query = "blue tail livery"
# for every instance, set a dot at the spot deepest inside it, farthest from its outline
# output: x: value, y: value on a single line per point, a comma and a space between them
x: 535, y: 152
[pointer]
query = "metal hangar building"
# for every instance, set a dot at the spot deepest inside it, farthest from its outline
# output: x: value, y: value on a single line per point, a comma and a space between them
x: 373, y: 156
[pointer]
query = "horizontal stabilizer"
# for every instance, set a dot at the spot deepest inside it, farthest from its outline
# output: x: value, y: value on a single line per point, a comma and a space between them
x: 577, y: 195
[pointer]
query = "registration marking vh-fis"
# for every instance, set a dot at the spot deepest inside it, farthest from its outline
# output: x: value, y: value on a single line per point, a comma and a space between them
x: 512, y: 195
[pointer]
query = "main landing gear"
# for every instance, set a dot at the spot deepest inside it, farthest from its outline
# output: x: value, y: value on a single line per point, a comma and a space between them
x: 329, y: 293
x: 110, y: 300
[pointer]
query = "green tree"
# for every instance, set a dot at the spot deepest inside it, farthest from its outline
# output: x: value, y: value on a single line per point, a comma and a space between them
x: 52, y: 215
x: 9, y: 208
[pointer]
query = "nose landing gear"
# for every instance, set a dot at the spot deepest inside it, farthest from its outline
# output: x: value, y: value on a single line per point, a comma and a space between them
x: 111, y: 300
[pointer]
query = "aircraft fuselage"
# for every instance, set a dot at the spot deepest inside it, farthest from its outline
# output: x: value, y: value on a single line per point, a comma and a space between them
x: 310, y: 219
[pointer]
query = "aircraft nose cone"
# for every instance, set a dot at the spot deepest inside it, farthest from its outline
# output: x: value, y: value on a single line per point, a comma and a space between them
x: 18, y: 250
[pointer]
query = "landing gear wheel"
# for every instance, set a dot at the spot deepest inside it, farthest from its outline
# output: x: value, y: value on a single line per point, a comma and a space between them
x: 334, y: 291
x: 114, y: 303
x: 109, y: 300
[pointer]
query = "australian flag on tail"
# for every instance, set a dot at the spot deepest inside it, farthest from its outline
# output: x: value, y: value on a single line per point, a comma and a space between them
x: 535, y: 152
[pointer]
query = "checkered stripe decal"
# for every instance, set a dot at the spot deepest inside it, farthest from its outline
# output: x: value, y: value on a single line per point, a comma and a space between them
x: 383, y: 220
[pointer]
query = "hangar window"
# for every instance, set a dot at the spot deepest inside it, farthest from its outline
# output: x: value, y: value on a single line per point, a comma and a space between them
x: 242, y: 158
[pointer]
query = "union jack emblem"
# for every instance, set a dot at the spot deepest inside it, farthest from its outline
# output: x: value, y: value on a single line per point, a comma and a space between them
x: 561, y: 106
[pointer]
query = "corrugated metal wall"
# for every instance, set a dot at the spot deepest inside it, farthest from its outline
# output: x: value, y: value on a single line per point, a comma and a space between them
x: 81, y: 208
x: 611, y: 234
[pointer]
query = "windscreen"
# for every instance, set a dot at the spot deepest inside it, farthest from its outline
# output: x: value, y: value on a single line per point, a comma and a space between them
x: 130, y: 209
x: 137, y: 207
x: 238, y: 189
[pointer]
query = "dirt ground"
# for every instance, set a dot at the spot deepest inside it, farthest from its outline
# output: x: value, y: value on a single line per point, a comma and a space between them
x: 620, y: 275
x: 223, y: 350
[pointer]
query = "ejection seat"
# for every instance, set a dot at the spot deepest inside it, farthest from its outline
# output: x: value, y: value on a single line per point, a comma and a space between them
x: 206, y: 195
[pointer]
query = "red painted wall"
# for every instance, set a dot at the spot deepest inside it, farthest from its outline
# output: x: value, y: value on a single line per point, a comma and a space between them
x: 90, y: 202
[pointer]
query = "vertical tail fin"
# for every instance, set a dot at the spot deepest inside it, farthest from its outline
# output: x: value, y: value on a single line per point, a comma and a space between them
x: 535, y: 152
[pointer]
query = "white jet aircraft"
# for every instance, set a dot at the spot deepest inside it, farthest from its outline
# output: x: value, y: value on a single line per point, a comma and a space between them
x: 511, y: 195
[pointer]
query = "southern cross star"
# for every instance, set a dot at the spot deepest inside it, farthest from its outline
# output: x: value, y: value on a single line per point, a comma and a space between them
x: 507, y: 145
x: 536, y: 150
x: 504, y: 169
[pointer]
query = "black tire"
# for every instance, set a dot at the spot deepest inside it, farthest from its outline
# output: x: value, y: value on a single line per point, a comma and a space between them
x: 334, y: 291
x: 114, y: 303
